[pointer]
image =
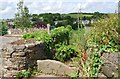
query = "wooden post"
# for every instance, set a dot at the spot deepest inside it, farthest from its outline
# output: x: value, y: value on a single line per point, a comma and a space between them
x: 48, y: 28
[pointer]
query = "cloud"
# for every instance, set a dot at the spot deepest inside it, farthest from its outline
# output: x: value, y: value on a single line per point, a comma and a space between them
x: 8, y: 7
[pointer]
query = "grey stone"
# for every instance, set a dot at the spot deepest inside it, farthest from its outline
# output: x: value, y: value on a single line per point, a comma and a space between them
x: 109, y: 70
x: 56, y: 67
x: 10, y: 48
x: 30, y: 45
x: 18, y: 47
x: 101, y: 75
x: 18, y: 54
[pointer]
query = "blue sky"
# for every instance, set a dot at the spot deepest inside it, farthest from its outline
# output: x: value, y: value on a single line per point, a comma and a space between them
x: 9, y: 7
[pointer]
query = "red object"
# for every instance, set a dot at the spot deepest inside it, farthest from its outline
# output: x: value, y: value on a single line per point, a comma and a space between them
x: 84, y: 57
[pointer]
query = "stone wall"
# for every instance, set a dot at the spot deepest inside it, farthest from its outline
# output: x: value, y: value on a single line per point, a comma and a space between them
x: 19, y: 57
x: 20, y: 31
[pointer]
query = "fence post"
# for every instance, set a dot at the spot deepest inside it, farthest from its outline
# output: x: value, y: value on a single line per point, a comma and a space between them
x: 48, y: 28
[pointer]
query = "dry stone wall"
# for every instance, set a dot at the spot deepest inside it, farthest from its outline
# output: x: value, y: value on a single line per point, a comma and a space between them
x: 19, y: 57
x: 20, y: 31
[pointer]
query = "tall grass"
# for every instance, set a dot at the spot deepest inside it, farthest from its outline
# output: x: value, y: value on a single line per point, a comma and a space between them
x: 77, y: 39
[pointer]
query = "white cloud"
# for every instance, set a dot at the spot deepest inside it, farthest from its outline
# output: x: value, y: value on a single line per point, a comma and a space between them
x: 8, y: 7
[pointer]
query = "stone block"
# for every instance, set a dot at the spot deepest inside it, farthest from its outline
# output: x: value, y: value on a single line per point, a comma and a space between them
x: 10, y: 48
x: 109, y: 70
x: 56, y: 67
x: 18, y: 47
x: 18, y: 54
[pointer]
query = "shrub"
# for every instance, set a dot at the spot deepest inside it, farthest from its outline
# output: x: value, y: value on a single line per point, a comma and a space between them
x: 55, y: 43
x: 104, y: 35
x: 61, y: 34
x: 3, y: 28
x: 65, y: 53
x: 41, y: 36
x: 102, y: 38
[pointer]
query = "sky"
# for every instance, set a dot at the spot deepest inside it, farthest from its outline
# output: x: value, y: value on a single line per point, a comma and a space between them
x: 8, y: 8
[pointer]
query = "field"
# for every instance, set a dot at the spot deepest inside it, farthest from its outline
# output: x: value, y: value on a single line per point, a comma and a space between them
x: 76, y: 15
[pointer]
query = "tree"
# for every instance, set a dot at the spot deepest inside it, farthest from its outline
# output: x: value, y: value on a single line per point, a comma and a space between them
x: 22, y: 17
x: 97, y: 15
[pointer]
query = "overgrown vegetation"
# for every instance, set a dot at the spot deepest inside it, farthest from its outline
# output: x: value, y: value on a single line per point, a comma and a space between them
x: 64, y: 43
x: 104, y: 35
x: 61, y: 35
x: 57, y: 44
x: 65, y: 53
x: 74, y: 75
x: 3, y: 28
x: 102, y: 38
x: 27, y: 73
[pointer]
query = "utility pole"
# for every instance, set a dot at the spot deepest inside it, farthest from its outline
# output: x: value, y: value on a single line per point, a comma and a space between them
x: 119, y: 12
x: 79, y: 18
x: 79, y: 23
x: 119, y: 22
